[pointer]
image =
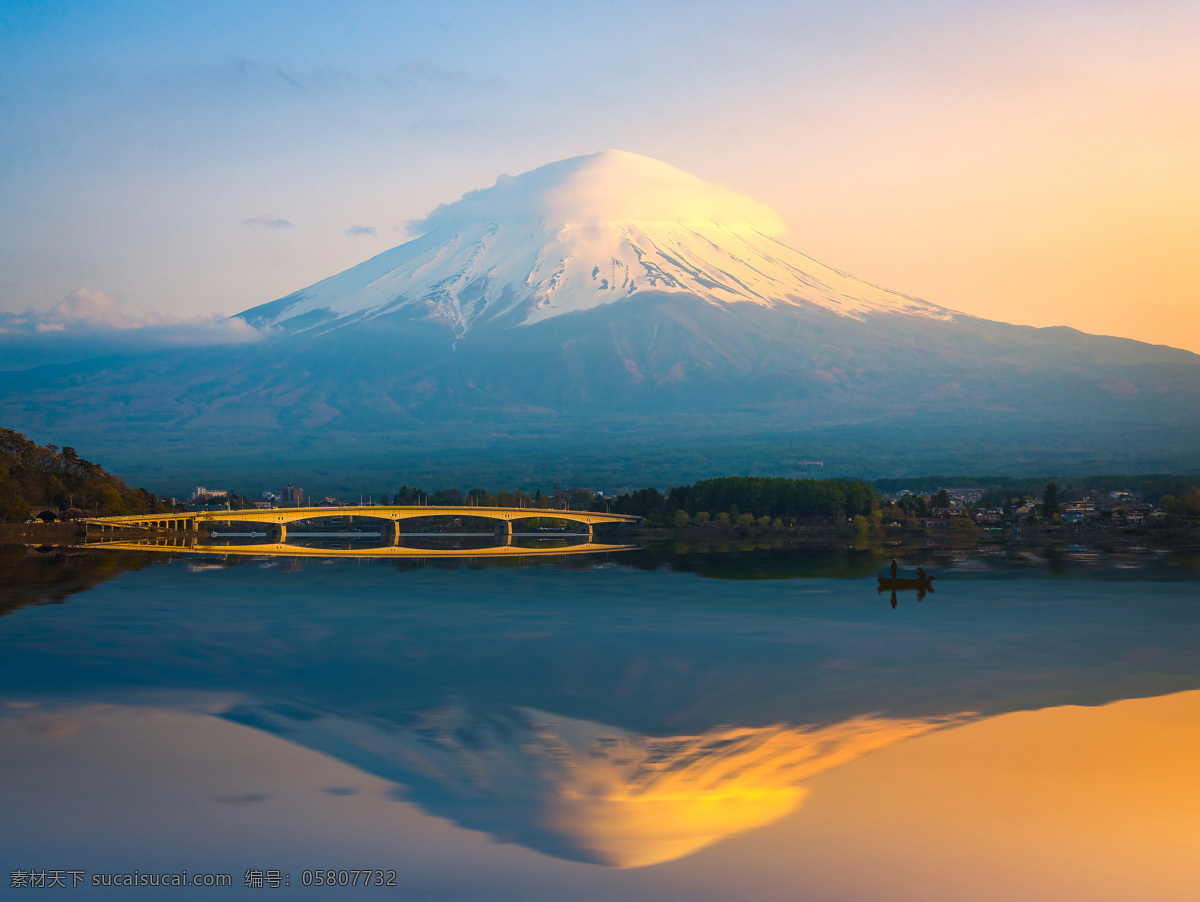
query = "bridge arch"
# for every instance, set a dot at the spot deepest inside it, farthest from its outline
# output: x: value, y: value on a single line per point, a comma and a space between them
x: 280, y: 518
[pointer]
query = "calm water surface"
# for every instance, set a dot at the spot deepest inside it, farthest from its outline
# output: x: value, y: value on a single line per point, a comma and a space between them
x: 651, y: 725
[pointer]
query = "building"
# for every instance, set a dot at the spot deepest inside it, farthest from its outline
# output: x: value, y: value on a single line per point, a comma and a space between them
x: 293, y: 496
x: 943, y: 513
x: 1079, y: 511
x: 202, y: 492
x: 964, y: 496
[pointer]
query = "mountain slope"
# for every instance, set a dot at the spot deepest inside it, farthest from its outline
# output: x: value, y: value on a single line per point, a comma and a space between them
x: 610, y: 320
x: 577, y: 234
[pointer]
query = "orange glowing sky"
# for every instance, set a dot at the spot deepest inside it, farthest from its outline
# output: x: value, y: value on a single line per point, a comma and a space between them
x: 1064, y: 803
x: 1032, y: 163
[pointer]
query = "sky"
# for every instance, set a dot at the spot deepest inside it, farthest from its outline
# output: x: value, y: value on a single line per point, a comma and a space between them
x: 1034, y: 163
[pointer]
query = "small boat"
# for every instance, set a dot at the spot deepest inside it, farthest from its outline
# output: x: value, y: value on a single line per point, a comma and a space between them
x: 900, y: 582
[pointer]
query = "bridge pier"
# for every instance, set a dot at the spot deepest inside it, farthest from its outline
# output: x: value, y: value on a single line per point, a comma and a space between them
x: 390, y: 533
x: 504, y: 532
x: 282, y: 533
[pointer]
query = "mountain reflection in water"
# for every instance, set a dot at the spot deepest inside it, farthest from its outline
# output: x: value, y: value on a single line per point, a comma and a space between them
x: 622, y: 710
x: 585, y: 791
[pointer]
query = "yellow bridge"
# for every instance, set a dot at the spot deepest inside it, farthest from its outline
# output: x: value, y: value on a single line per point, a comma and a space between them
x: 279, y: 518
x: 278, y: 549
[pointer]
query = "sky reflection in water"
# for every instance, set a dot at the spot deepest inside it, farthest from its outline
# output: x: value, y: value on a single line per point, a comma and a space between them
x: 541, y: 731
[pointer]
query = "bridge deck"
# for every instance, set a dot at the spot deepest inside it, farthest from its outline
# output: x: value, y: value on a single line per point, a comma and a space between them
x: 285, y: 515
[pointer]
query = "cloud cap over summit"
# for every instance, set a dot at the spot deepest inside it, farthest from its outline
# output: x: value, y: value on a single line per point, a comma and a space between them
x: 609, y: 186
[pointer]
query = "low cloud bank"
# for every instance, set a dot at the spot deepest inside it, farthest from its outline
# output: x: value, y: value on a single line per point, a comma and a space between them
x: 92, y: 322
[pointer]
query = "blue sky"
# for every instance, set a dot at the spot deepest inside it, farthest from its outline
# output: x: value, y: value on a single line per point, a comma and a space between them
x: 1027, y: 162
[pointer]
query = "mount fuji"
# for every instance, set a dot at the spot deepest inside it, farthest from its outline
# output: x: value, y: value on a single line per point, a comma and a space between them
x: 613, y: 320
x: 576, y: 235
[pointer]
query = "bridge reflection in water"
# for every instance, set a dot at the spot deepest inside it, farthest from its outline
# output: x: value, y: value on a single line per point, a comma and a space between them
x: 283, y: 549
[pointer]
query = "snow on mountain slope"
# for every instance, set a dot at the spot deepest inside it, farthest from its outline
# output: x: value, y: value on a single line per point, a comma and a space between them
x: 576, y: 234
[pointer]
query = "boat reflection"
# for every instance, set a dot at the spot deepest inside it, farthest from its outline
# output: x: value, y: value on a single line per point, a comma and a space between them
x: 921, y: 583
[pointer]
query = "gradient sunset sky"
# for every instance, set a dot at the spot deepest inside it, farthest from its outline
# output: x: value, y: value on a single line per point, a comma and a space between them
x: 1028, y: 162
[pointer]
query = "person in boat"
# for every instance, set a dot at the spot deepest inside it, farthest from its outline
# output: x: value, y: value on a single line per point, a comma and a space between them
x: 921, y: 575
x: 894, y: 568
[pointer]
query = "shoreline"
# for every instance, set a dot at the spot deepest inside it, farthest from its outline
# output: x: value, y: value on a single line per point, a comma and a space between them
x: 74, y: 534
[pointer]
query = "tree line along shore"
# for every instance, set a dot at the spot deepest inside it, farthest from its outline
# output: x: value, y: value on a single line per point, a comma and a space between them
x: 57, y: 484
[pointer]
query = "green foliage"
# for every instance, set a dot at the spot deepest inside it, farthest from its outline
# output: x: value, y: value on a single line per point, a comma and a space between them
x: 760, y: 499
x: 1050, y: 506
x: 1186, y: 506
x: 36, y: 478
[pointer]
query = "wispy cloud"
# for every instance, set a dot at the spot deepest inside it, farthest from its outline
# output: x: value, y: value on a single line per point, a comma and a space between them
x: 410, y: 76
x: 287, y: 78
x: 269, y: 222
x: 361, y: 230
x: 86, y: 307
x: 422, y: 71
x: 85, y: 312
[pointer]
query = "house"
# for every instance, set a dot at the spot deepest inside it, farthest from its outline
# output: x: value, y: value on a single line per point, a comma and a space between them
x: 1079, y: 511
x: 941, y: 513
x: 965, y: 496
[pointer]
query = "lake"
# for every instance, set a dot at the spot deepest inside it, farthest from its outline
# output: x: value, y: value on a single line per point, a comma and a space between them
x: 665, y: 723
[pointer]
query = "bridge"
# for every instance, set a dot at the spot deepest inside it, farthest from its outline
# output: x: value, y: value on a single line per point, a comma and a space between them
x: 279, y: 518
x: 275, y: 549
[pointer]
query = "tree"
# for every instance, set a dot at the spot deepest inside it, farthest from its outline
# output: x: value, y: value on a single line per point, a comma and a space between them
x: 681, y: 519
x: 1050, y: 506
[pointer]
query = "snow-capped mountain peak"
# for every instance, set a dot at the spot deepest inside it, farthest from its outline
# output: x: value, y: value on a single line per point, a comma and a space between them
x: 574, y: 235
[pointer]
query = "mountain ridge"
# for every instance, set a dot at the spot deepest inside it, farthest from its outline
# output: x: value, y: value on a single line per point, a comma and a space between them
x: 576, y: 234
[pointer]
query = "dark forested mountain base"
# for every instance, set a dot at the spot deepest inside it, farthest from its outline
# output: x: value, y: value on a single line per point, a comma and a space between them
x: 654, y: 390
